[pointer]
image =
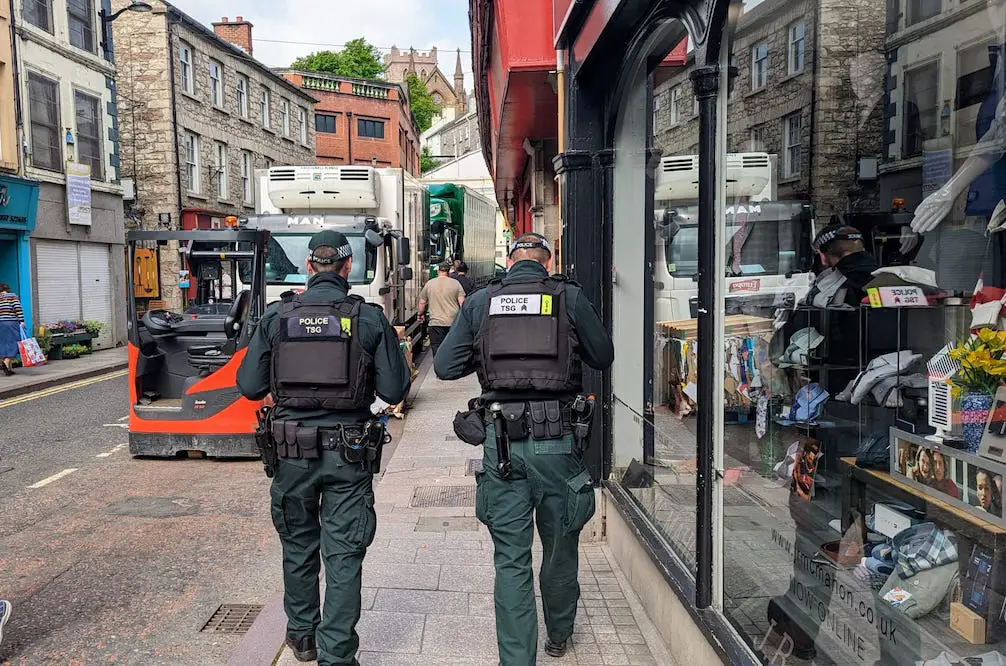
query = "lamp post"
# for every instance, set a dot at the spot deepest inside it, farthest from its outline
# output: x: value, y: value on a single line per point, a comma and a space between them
x: 106, y: 20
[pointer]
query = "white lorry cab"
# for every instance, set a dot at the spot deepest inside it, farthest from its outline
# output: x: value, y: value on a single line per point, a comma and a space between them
x: 383, y: 212
x: 768, y: 253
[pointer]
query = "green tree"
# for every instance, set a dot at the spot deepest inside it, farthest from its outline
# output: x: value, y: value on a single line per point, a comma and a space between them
x: 359, y: 59
x: 426, y: 161
x: 421, y: 101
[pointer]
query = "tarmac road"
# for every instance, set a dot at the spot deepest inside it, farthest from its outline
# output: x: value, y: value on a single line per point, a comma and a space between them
x: 111, y: 560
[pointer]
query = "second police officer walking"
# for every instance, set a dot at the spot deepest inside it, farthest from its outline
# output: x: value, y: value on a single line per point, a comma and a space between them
x: 526, y: 336
x: 329, y: 360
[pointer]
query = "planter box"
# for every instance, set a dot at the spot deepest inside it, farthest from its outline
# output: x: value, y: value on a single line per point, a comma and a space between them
x: 58, y: 341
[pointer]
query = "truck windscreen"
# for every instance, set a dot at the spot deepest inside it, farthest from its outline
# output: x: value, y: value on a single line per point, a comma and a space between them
x: 765, y: 238
x: 286, y: 258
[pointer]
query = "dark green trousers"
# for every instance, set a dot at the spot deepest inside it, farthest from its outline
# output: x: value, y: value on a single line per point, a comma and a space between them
x: 324, y: 509
x: 548, y: 485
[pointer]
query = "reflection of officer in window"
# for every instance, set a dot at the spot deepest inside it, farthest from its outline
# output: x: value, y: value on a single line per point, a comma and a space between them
x: 279, y: 264
x: 548, y: 479
x: 324, y: 357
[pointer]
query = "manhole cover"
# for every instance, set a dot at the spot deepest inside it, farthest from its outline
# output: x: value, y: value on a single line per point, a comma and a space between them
x: 474, y: 466
x: 452, y: 524
x: 233, y: 619
x: 443, y: 496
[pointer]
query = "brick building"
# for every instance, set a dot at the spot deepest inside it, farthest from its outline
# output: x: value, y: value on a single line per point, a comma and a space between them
x: 198, y: 115
x: 398, y: 64
x: 815, y: 113
x: 360, y: 122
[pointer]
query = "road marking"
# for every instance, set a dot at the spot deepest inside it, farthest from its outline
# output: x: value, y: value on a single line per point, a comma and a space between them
x: 124, y: 418
x: 60, y: 389
x: 112, y: 452
x: 54, y: 477
x: 115, y: 425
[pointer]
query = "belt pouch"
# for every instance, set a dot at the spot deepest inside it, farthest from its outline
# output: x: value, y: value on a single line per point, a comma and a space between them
x: 469, y: 427
x: 279, y: 436
x: 516, y: 422
x: 553, y: 419
x: 307, y: 442
x: 290, y: 435
x: 539, y: 427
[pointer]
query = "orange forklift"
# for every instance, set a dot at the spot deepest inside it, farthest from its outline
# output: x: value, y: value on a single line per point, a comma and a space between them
x: 183, y: 394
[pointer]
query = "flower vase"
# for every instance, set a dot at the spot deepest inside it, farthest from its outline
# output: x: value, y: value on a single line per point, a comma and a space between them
x: 975, y: 409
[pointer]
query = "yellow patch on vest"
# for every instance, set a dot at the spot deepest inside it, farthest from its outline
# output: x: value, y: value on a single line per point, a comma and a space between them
x: 347, y: 325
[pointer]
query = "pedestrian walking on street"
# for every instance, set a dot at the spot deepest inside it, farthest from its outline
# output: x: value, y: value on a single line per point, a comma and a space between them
x: 329, y: 360
x: 11, y: 321
x: 5, y: 611
x: 527, y: 335
x: 462, y: 276
x: 443, y: 296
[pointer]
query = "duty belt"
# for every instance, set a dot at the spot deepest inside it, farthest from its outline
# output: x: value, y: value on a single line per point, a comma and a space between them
x: 334, y: 438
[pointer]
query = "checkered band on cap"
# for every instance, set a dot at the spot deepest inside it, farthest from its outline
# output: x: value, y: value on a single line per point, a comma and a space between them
x: 539, y: 242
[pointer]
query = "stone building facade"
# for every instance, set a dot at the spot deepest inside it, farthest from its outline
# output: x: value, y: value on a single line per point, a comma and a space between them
x: 199, y: 116
x: 361, y: 122
x: 818, y: 115
x: 455, y: 138
x: 399, y: 64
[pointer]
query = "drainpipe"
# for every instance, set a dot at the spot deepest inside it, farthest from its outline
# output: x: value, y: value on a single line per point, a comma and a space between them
x: 18, y: 115
x: 349, y: 135
x: 174, y: 118
x: 560, y: 83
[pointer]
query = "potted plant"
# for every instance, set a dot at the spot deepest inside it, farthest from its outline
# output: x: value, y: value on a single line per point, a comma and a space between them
x: 982, y: 358
x: 70, y: 332
x: 93, y: 328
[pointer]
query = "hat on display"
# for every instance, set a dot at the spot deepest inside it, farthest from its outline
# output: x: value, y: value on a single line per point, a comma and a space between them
x: 904, y: 276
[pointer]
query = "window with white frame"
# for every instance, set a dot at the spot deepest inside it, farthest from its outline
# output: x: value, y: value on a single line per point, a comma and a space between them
x: 185, y: 72
x: 922, y: 10
x: 242, y: 94
x: 221, y: 171
x: 80, y: 24
x: 302, y: 118
x: 284, y: 114
x: 264, y: 104
x: 38, y: 13
x: 759, y: 66
x: 216, y: 83
x: 797, y: 47
x: 87, y: 110
x: 191, y: 142
x: 793, y: 137
x: 658, y: 106
x: 676, y: 99
x: 246, y: 176
x: 43, y: 115
x: 921, y: 108
x: 756, y: 140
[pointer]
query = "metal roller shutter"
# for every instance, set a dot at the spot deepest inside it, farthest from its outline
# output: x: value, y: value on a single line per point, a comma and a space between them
x: 96, y: 290
x: 58, y: 281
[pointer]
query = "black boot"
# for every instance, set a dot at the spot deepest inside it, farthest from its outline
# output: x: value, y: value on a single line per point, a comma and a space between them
x: 6, y: 371
x: 304, y: 648
x: 556, y: 649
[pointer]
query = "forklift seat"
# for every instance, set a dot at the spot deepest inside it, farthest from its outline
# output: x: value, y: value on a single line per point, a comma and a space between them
x: 212, y: 357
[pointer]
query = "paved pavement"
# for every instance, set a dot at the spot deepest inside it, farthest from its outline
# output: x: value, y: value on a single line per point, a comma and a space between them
x: 428, y: 578
x: 56, y: 373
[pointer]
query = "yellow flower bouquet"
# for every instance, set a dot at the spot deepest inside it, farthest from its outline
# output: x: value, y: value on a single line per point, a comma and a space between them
x: 982, y: 358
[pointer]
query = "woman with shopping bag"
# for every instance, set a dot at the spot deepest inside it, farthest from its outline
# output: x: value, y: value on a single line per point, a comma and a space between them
x: 11, y: 321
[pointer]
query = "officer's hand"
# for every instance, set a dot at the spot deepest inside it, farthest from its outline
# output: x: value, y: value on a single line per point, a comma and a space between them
x: 379, y: 406
x: 268, y: 401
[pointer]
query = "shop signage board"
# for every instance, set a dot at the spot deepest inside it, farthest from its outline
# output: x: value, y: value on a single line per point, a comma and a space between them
x: 897, y: 297
x: 78, y: 194
x: 18, y: 203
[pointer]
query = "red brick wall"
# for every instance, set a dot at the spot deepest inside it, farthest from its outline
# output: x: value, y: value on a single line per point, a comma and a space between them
x: 237, y: 32
x: 348, y: 109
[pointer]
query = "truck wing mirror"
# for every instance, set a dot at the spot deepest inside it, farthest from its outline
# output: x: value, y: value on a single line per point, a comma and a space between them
x: 404, y: 273
x: 404, y: 251
x: 373, y: 238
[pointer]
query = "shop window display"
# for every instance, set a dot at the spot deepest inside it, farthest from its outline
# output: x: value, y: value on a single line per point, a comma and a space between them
x: 864, y: 414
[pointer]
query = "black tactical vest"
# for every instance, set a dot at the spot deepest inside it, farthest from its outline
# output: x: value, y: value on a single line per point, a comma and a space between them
x: 526, y: 341
x: 317, y: 360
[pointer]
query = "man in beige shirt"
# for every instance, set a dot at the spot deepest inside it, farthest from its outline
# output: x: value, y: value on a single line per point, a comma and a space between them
x: 444, y: 296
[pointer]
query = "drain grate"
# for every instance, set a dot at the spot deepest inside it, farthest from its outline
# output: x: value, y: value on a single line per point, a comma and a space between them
x: 232, y: 619
x: 427, y: 497
x: 474, y: 466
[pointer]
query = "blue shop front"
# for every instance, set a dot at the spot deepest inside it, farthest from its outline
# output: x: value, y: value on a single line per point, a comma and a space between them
x: 18, y: 205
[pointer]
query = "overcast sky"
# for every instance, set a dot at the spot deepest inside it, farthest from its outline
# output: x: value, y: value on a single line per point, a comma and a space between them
x: 319, y: 25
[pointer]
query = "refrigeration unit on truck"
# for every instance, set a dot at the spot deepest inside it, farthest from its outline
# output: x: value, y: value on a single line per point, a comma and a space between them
x: 463, y: 226
x: 768, y: 254
x: 383, y: 212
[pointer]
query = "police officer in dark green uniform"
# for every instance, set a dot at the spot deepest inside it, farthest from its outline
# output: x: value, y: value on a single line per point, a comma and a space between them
x: 526, y: 335
x: 324, y: 356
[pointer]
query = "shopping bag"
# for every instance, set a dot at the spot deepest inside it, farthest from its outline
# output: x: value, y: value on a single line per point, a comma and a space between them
x: 31, y: 353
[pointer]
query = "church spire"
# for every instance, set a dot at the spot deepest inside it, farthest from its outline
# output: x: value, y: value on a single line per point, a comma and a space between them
x: 459, y: 87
